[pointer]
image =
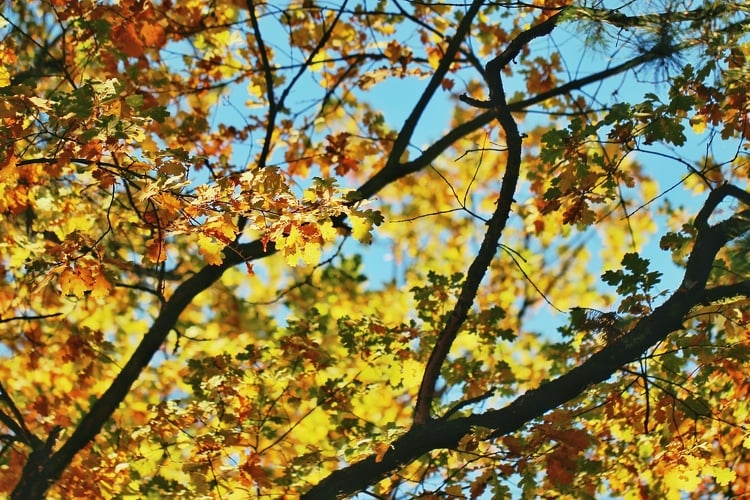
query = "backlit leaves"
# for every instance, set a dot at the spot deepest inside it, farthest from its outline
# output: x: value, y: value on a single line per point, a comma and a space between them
x: 232, y: 235
x: 635, y: 283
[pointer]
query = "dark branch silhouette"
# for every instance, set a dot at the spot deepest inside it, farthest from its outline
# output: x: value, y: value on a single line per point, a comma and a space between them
x: 47, y: 462
x: 651, y: 329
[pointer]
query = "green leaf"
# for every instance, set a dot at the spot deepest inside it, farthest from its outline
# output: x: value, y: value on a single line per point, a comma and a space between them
x: 134, y: 101
x: 696, y: 407
x: 634, y: 263
x: 158, y: 113
x: 612, y: 277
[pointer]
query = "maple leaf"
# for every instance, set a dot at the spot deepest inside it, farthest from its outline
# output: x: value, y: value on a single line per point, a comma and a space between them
x: 211, y: 249
x: 155, y: 250
x: 253, y: 471
x: 153, y: 35
x: 724, y: 475
x: 125, y: 39
x: 72, y: 283
x: 101, y: 287
x: 362, y: 224
x: 178, y: 289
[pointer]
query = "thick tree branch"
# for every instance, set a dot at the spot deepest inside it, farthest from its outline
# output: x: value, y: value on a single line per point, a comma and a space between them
x: 16, y: 423
x: 36, y: 480
x: 391, y: 172
x: 495, y: 225
x: 44, y: 466
x: 273, y: 107
x: 667, y: 318
x: 723, y: 292
x: 407, y: 130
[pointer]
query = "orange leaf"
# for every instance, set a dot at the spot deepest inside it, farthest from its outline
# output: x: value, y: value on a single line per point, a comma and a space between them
x: 447, y: 84
x: 101, y: 286
x: 252, y: 470
x: 72, y: 283
x: 393, y: 51
x: 153, y: 35
x: 155, y: 251
x: 125, y: 38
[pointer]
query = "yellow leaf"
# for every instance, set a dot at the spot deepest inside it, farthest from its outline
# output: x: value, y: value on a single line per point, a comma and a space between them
x: 724, y: 475
x: 434, y: 56
x: 393, y: 372
x: 385, y: 28
x: 362, y: 222
x: 320, y: 57
x: 327, y: 231
x: 622, y: 433
x: 412, y: 372
x: 361, y: 229
x: 71, y: 283
x: 223, y: 228
x: 293, y: 239
x: 211, y: 249
x: 4, y: 76
x: 683, y: 478
x: 698, y: 123
x: 80, y: 222
x: 101, y: 286
x: 311, y: 253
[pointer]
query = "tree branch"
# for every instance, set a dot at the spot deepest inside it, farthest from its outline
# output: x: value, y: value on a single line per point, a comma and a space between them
x: 723, y: 292
x: 404, y: 136
x: 16, y: 423
x: 36, y: 480
x: 273, y: 107
x: 315, y: 51
x: 667, y: 318
x: 495, y: 225
x: 391, y: 172
x: 44, y: 466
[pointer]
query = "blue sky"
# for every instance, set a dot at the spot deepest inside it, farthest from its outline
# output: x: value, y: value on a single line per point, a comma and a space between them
x: 395, y: 97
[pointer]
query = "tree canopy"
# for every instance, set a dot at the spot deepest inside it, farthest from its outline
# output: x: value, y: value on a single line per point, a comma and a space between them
x: 313, y: 248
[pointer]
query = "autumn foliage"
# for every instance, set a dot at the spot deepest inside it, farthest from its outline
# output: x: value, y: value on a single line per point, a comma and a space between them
x: 314, y: 249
